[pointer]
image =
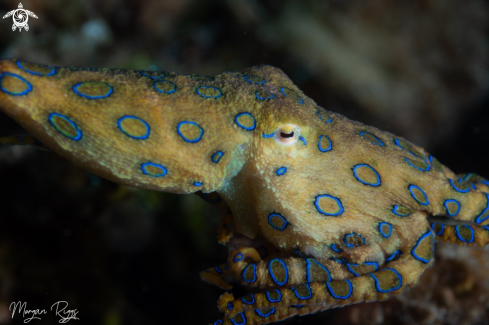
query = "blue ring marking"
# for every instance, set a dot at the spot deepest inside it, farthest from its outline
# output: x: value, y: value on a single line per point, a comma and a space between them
x: 411, y: 187
x: 308, y: 267
x: 21, y: 138
x: 467, y: 176
x: 281, y: 217
x: 29, y: 86
x: 413, y: 251
x: 75, y: 89
x: 249, y: 302
x: 390, y: 258
x: 273, y: 275
x: 218, y: 322
x: 79, y: 132
x: 460, y: 182
x: 324, y: 149
x: 303, y: 140
x: 242, y: 316
x: 238, y: 257
x: 143, y: 168
x: 297, y: 306
x: 218, y: 270
x: 274, y: 300
x: 348, y: 266
x: 297, y: 251
x: 144, y: 73
x: 378, y: 143
x: 254, y: 273
x: 456, y: 188
x: 19, y: 64
x: 270, y: 311
x: 281, y: 171
x: 283, y: 92
x: 119, y: 122
x: 336, y: 248
x: 473, y: 186
x: 388, y: 234
x: 441, y: 230
x: 268, y: 135
x: 241, y: 125
x: 485, y: 227
x: 316, y: 203
x: 445, y: 204
x: 207, y: 96
x: 264, y: 98
x: 460, y: 237
x: 398, y: 143
x: 322, y: 118
x: 230, y: 306
x: 392, y: 289
x: 338, y: 296
x: 352, y: 234
x: 165, y: 91
x: 484, y: 182
x: 301, y: 297
x: 373, y: 263
x: 198, y: 183
x: 245, y: 77
x: 179, y: 125
x: 217, y: 156
x: 363, y: 182
x: 339, y: 260
x: 478, y: 219
x: 394, y: 210
x: 226, y: 267
x: 418, y: 168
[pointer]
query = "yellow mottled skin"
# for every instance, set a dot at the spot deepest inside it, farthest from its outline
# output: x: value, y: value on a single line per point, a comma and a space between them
x: 319, y: 210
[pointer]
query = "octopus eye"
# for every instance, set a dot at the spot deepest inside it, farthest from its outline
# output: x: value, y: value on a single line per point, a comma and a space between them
x: 287, y: 134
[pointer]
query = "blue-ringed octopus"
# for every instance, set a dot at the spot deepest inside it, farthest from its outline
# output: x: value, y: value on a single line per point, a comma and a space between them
x: 318, y: 211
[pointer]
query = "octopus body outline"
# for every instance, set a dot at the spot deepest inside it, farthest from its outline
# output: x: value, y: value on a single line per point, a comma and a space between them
x: 328, y: 224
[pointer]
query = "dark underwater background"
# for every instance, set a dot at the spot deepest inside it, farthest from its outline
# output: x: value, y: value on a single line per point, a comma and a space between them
x: 417, y: 68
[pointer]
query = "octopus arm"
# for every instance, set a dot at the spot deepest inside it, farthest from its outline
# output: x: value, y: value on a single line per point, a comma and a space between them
x: 284, y: 302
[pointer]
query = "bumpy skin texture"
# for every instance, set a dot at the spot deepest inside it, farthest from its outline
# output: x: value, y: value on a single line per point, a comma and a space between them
x: 324, y: 211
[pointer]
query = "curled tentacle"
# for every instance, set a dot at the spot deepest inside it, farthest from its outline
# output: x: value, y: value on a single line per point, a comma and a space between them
x: 276, y: 271
x: 217, y: 276
x: 379, y: 285
x: 278, y: 304
x: 461, y: 234
x: 465, y: 198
